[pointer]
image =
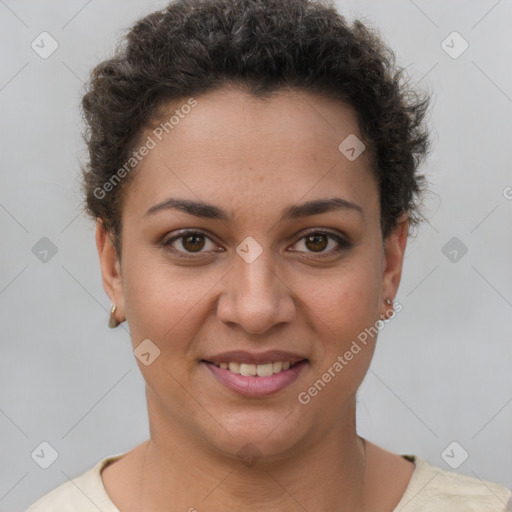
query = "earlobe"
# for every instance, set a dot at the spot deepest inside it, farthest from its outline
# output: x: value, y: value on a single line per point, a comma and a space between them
x: 110, y: 268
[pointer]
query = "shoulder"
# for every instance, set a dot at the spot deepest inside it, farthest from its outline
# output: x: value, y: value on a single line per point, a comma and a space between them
x: 433, y: 489
x: 85, y: 493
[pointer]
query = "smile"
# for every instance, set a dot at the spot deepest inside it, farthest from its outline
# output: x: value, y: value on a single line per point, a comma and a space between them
x: 252, y: 370
x: 256, y: 380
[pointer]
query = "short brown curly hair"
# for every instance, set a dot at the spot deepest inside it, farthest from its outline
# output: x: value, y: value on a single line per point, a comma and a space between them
x: 195, y: 46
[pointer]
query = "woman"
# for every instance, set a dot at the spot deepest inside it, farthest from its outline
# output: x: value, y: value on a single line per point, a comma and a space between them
x: 253, y: 176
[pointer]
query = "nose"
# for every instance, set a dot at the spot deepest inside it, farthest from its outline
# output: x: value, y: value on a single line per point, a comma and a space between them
x: 256, y: 297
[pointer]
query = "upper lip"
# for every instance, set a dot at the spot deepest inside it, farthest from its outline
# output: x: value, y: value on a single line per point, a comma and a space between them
x: 242, y: 356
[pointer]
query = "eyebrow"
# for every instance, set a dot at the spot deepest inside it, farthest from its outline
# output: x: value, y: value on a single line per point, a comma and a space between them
x: 209, y: 211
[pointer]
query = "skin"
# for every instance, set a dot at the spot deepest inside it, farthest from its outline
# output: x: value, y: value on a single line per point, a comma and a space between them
x: 253, y: 158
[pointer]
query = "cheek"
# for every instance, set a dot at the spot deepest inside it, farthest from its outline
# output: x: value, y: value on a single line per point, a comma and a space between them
x: 167, y: 302
x: 346, y: 314
x: 349, y: 302
x: 163, y: 302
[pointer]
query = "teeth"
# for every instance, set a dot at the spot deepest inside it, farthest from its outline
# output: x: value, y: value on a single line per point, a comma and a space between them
x: 264, y: 370
x: 251, y: 370
x: 234, y: 367
x: 247, y: 370
x: 277, y: 366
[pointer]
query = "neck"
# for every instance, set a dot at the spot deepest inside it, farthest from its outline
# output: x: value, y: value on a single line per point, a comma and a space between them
x: 186, y: 473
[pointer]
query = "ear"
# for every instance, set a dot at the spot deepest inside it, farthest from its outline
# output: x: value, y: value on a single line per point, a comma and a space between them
x: 394, y: 250
x: 110, y: 269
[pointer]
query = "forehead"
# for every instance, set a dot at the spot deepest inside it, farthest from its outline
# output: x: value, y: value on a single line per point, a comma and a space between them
x: 236, y: 148
x: 238, y: 122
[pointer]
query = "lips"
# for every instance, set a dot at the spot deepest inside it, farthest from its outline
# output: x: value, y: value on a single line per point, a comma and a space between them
x: 256, y: 374
x: 256, y: 386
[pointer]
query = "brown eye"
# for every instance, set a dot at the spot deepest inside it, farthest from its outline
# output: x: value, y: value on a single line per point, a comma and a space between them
x: 316, y: 242
x: 188, y: 242
x: 193, y: 243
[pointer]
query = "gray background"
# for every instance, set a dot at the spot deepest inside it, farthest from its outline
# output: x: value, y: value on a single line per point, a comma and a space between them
x: 441, y: 372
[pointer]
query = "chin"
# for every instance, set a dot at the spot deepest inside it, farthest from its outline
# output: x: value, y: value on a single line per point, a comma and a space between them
x: 258, y: 435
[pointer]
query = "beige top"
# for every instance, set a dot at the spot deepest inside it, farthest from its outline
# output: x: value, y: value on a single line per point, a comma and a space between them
x: 431, y: 489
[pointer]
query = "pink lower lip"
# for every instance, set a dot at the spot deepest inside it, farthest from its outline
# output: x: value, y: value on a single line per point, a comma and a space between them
x: 256, y: 386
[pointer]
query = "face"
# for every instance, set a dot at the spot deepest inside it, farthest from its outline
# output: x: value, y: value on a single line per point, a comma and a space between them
x: 249, y: 273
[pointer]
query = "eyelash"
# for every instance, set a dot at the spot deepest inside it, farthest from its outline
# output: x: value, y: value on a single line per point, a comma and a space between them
x: 342, y: 243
